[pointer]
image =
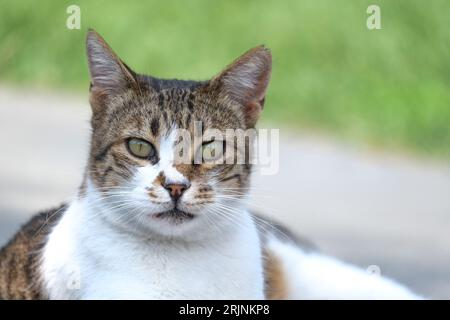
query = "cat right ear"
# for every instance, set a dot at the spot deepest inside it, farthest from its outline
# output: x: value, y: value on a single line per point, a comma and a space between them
x: 109, y: 75
x: 245, y: 82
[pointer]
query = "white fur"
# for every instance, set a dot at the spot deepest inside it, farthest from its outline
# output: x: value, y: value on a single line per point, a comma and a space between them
x: 105, y: 263
x: 311, y: 275
x: 167, y: 156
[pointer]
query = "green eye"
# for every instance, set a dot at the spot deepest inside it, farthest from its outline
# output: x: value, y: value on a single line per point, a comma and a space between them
x: 140, y: 148
x: 212, y: 151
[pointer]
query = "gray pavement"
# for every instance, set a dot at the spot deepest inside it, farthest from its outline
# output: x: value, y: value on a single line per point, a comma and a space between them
x: 365, y: 206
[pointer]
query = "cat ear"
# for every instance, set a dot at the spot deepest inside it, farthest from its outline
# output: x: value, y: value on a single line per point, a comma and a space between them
x: 245, y: 81
x: 109, y: 75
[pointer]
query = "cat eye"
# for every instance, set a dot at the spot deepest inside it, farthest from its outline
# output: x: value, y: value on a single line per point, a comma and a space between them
x: 140, y: 148
x: 213, y: 150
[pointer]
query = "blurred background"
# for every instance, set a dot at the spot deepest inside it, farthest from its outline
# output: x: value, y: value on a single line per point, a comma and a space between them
x: 364, y: 115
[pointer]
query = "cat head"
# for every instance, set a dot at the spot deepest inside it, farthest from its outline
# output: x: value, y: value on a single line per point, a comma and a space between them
x: 139, y: 128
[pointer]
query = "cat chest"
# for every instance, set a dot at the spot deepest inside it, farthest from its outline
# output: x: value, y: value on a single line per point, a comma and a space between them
x: 85, y: 261
x: 175, y: 275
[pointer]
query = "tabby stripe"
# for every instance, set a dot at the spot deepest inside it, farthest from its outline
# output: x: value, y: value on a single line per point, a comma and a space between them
x: 105, y: 174
x: 161, y: 100
x: 118, y: 163
x: 191, y: 101
x: 102, y: 154
x: 183, y: 95
x: 188, y: 120
x: 234, y: 176
x: 227, y: 169
x: 154, y: 126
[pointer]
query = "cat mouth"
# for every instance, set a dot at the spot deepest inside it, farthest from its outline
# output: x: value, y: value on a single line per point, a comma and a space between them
x: 174, y: 215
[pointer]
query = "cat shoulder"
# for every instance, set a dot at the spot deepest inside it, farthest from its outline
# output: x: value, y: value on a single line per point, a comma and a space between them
x: 20, y: 257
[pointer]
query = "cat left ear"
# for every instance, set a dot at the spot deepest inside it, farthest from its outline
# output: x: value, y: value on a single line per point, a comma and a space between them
x: 245, y: 81
x: 109, y: 75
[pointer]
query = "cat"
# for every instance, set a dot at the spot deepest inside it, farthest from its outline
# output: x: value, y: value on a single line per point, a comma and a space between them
x: 144, y: 226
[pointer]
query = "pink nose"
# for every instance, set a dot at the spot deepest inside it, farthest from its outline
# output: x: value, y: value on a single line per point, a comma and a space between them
x: 176, y: 189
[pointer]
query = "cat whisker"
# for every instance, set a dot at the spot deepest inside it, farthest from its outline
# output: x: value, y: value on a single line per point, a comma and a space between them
x: 48, y: 219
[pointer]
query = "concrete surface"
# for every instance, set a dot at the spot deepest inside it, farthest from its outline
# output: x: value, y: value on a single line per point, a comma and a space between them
x: 369, y: 208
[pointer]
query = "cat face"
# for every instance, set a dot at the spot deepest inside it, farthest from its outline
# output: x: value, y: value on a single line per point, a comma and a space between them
x: 153, y: 162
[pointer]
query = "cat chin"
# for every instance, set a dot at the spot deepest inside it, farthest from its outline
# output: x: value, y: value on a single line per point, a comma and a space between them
x: 175, y: 216
x: 196, y: 226
x: 174, y: 225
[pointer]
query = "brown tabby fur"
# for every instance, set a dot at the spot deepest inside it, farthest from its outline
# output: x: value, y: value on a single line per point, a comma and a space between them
x: 21, y: 256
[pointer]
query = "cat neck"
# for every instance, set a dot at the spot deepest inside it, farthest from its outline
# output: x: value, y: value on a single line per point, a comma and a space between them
x: 111, y: 262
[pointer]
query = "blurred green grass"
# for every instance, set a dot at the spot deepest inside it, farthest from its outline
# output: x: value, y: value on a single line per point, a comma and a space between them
x: 331, y: 73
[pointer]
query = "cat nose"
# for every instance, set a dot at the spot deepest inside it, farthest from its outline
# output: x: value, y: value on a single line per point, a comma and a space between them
x: 176, y: 189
